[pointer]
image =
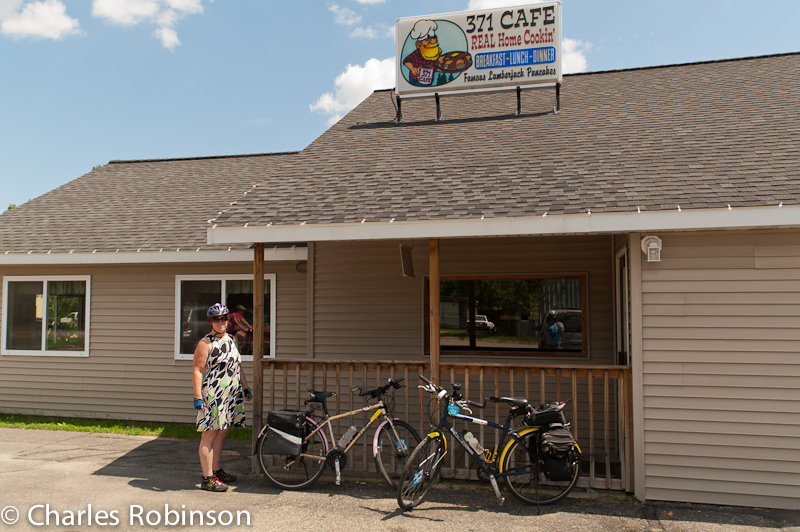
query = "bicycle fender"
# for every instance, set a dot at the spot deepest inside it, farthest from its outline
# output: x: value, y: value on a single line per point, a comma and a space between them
x: 378, y: 431
x: 521, y: 433
x: 433, y: 435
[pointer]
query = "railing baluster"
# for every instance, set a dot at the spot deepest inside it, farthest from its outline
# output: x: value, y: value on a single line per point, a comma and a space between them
x: 606, y: 420
x: 591, y: 430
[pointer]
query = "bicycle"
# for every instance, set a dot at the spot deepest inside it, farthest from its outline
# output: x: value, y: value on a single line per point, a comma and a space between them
x: 523, y: 463
x: 318, y: 447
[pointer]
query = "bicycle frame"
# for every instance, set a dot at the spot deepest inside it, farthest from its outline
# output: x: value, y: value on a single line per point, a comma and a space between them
x: 478, y: 458
x: 380, y: 411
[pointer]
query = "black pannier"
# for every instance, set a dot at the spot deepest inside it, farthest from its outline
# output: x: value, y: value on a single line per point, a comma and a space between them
x: 285, y: 432
x: 544, y: 415
x: 558, y: 452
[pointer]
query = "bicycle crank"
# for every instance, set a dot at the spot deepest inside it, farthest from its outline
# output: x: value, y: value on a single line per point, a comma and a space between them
x: 336, y: 460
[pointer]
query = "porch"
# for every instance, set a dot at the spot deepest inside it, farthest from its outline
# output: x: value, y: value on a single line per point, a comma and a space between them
x: 599, y: 405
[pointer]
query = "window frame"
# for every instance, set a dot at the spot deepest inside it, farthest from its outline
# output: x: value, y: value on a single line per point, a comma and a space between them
x: 539, y: 353
x: 223, y: 278
x: 45, y: 279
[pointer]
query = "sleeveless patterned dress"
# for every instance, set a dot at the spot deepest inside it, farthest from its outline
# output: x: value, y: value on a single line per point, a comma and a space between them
x: 222, y: 394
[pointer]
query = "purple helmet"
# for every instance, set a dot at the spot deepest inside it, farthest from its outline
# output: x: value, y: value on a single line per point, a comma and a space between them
x: 218, y: 309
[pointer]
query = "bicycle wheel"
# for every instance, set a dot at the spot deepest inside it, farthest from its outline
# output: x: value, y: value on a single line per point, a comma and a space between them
x: 420, y: 472
x: 294, y: 472
x: 527, y: 480
x: 390, y: 453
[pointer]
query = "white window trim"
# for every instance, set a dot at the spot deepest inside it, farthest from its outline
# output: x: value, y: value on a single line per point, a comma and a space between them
x: 271, y: 277
x: 44, y: 279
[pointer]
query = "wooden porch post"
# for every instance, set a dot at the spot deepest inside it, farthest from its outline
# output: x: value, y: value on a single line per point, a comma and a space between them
x: 434, y: 305
x: 258, y: 347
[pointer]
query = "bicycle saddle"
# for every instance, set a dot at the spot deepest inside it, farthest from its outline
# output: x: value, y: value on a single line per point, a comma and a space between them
x: 515, y: 401
x: 321, y: 396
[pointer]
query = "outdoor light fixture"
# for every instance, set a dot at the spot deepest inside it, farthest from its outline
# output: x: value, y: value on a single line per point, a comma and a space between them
x: 651, y: 246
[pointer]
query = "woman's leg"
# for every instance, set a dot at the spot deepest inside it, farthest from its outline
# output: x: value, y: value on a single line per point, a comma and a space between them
x: 208, y: 442
x: 217, y: 444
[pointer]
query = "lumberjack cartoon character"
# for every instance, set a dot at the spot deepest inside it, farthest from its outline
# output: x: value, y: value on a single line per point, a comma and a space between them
x: 423, y: 62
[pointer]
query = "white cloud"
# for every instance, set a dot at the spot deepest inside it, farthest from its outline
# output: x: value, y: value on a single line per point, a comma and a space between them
x: 573, y: 57
x: 45, y: 19
x: 368, y: 32
x: 491, y: 4
x: 373, y: 2
x: 354, y: 85
x: 9, y: 7
x: 164, y: 14
x: 344, y: 16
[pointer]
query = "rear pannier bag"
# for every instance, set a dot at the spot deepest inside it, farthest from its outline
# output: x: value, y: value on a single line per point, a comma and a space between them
x: 285, y: 432
x: 558, y: 453
x: 543, y: 415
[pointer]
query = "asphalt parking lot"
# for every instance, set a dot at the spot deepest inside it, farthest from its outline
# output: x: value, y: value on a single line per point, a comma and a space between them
x: 70, y: 481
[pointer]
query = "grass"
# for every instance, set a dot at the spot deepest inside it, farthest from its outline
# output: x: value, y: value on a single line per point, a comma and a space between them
x: 184, y: 431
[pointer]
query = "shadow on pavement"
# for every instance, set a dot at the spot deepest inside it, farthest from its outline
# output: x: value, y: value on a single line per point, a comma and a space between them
x: 165, y: 464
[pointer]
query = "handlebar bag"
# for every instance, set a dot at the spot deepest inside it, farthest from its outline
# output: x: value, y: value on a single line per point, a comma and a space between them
x: 558, y: 452
x: 285, y: 432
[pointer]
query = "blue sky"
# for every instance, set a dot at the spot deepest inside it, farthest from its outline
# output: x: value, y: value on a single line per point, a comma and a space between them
x: 83, y: 82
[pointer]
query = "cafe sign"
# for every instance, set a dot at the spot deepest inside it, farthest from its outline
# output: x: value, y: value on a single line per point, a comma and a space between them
x: 490, y: 49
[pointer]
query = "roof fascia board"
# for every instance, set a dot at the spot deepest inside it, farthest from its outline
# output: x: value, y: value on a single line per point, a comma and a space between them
x: 677, y: 220
x: 151, y: 257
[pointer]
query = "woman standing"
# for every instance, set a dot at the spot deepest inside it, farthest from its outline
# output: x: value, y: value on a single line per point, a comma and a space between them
x: 219, y: 384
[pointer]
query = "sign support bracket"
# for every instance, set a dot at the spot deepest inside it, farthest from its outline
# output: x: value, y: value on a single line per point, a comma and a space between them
x: 399, y: 115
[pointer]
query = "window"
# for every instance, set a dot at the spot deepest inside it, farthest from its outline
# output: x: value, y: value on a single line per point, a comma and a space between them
x: 194, y: 294
x: 46, y: 316
x: 540, y: 315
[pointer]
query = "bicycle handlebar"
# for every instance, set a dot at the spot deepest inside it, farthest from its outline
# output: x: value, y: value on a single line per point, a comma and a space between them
x: 377, y: 392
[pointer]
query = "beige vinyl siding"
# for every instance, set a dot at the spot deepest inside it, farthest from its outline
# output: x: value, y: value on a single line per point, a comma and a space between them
x: 721, y: 369
x: 131, y: 372
x: 364, y: 307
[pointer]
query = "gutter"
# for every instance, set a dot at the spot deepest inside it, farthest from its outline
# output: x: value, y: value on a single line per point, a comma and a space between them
x: 151, y: 257
x: 726, y: 218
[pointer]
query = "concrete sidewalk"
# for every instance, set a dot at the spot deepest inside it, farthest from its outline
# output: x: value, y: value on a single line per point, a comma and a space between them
x: 132, y: 482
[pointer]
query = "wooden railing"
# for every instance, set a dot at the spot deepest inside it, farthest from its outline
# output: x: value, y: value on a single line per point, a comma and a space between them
x: 599, y: 406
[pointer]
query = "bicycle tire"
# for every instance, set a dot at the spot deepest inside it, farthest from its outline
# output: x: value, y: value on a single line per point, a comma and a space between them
x: 420, y: 472
x: 292, y: 472
x: 391, y: 455
x: 529, y: 484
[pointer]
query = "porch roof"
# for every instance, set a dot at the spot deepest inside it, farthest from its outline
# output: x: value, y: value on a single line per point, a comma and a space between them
x: 699, y: 146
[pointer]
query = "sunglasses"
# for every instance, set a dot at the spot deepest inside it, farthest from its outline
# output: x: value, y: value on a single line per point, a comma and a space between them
x: 219, y: 319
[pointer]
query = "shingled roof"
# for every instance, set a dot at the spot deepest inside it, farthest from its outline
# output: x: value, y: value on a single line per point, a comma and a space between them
x: 704, y: 136
x: 136, y: 206
x: 697, y: 136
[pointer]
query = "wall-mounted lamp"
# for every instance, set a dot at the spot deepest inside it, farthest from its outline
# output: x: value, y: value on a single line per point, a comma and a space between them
x: 651, y: 247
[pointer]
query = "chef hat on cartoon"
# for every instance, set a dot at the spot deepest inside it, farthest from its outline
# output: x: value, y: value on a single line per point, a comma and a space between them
x: 423, y: 29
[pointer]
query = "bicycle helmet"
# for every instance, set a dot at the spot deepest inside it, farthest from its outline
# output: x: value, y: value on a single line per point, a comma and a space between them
x: 217, y: 309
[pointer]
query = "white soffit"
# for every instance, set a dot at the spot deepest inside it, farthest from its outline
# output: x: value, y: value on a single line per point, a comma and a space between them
x: 588, y: 223
x: 152, y: 257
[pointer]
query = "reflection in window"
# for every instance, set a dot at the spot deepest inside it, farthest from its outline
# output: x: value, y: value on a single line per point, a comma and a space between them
x: 513, y: 314
x: 197, y: 295
x: 46, y: 315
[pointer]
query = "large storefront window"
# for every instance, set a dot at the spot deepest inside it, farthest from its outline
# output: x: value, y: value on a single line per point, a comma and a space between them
x: 540, y: 314
x: 196, y: 293
x: 46, y: 316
